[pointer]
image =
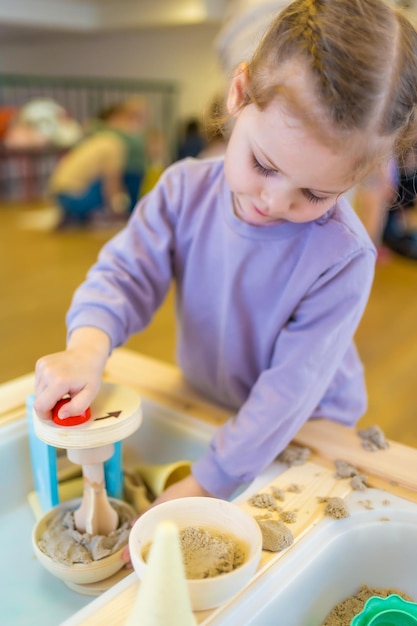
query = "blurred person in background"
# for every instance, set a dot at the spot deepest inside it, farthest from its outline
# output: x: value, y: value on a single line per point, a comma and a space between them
x: 193, y: 141
x: 400, y: 230
x: 102, y: 174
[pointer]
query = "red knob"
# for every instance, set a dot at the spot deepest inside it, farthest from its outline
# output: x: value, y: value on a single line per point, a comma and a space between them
x: 73, y: 420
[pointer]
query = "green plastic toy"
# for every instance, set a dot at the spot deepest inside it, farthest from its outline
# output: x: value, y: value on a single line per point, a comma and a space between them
x: 390, y: 611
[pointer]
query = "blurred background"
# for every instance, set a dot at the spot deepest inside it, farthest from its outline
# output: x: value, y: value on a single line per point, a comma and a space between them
x: 63, y: 63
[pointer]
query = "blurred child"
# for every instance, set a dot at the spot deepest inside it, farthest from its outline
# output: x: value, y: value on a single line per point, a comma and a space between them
x: 103, y: 172
x: 400, y: 230
x: 273, y: 268
x: 193, y: 141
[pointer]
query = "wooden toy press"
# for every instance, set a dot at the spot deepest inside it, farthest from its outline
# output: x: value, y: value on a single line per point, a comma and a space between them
x: 115, y: 414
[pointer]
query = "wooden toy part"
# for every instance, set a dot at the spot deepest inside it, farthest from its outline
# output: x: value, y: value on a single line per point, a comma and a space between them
x: 163, y: 598
x: 95, y: 515
x: 115, y: 414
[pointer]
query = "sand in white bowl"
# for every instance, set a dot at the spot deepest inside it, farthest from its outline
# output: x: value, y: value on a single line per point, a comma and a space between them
x: 208, y: 553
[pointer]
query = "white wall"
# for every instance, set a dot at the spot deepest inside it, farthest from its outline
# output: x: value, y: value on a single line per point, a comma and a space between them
x: 183, y: 54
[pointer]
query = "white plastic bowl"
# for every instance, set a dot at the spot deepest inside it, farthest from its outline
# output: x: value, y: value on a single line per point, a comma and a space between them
x: 211, y: 514
x: 80, y: 573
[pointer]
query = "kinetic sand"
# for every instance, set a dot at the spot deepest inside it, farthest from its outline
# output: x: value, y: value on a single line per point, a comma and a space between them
x: 208, y: 553
x: 63, y: 543
x: 344, y: 612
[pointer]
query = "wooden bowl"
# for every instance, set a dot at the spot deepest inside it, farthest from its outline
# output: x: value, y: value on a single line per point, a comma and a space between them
x: 80, y: 573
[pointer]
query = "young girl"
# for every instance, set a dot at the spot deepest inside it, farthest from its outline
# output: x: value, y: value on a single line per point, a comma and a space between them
x: 273, y: 268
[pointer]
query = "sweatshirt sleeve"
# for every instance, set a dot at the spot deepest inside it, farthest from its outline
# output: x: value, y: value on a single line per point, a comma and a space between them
x: 307, y: 354
x: 133, y: 272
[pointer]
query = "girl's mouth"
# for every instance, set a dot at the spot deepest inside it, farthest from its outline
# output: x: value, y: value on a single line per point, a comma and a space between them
x: 260, y: 212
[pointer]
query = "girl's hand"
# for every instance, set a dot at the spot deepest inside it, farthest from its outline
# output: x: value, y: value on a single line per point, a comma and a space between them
x: 184, y: 488
x: 77, y: 372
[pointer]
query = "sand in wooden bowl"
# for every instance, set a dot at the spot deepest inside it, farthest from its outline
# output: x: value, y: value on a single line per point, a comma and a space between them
x: 208, y: 553
x: 63, y: 543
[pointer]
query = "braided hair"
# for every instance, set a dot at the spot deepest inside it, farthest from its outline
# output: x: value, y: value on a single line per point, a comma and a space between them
x: 361, y: 60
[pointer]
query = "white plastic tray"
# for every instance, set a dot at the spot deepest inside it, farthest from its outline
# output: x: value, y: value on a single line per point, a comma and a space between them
x: 376, y: 546
x: 330, y: 560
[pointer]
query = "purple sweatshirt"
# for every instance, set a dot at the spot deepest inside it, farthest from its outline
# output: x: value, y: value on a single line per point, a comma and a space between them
x: 265, y: 315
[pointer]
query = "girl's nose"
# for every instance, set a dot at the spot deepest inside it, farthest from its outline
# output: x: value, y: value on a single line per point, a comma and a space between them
x: 278, y: 196
x: 265, y: 196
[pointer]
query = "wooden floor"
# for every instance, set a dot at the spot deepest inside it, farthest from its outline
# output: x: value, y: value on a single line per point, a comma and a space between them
x: 39, y: 270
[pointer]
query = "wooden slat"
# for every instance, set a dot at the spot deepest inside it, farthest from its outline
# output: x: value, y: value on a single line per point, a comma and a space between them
x: 331, y: 440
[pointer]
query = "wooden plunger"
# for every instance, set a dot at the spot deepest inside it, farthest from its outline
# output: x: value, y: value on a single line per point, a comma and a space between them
x: 95, y: 515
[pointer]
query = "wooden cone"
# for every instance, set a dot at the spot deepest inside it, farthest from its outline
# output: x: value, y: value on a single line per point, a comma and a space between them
x: 163, y: 598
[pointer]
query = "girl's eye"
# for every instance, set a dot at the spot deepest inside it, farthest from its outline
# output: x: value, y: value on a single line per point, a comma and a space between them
x: 312, y: 198
x: 260, y: 168
x: 267, y: 172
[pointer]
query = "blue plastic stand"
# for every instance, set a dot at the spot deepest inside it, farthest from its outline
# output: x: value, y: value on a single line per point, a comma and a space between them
x: 113, y: 473
x: 44, y: 466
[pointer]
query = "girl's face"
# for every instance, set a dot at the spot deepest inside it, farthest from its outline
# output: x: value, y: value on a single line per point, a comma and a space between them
x: 277, y: 169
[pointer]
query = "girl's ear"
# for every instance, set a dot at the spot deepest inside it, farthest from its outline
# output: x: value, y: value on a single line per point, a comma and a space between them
x: 238, y: 89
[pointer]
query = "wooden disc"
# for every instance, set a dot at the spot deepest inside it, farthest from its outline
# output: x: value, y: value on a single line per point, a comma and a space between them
x: 115, y: 414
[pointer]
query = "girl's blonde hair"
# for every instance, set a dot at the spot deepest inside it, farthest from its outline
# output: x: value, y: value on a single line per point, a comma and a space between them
x: 361, y: 59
